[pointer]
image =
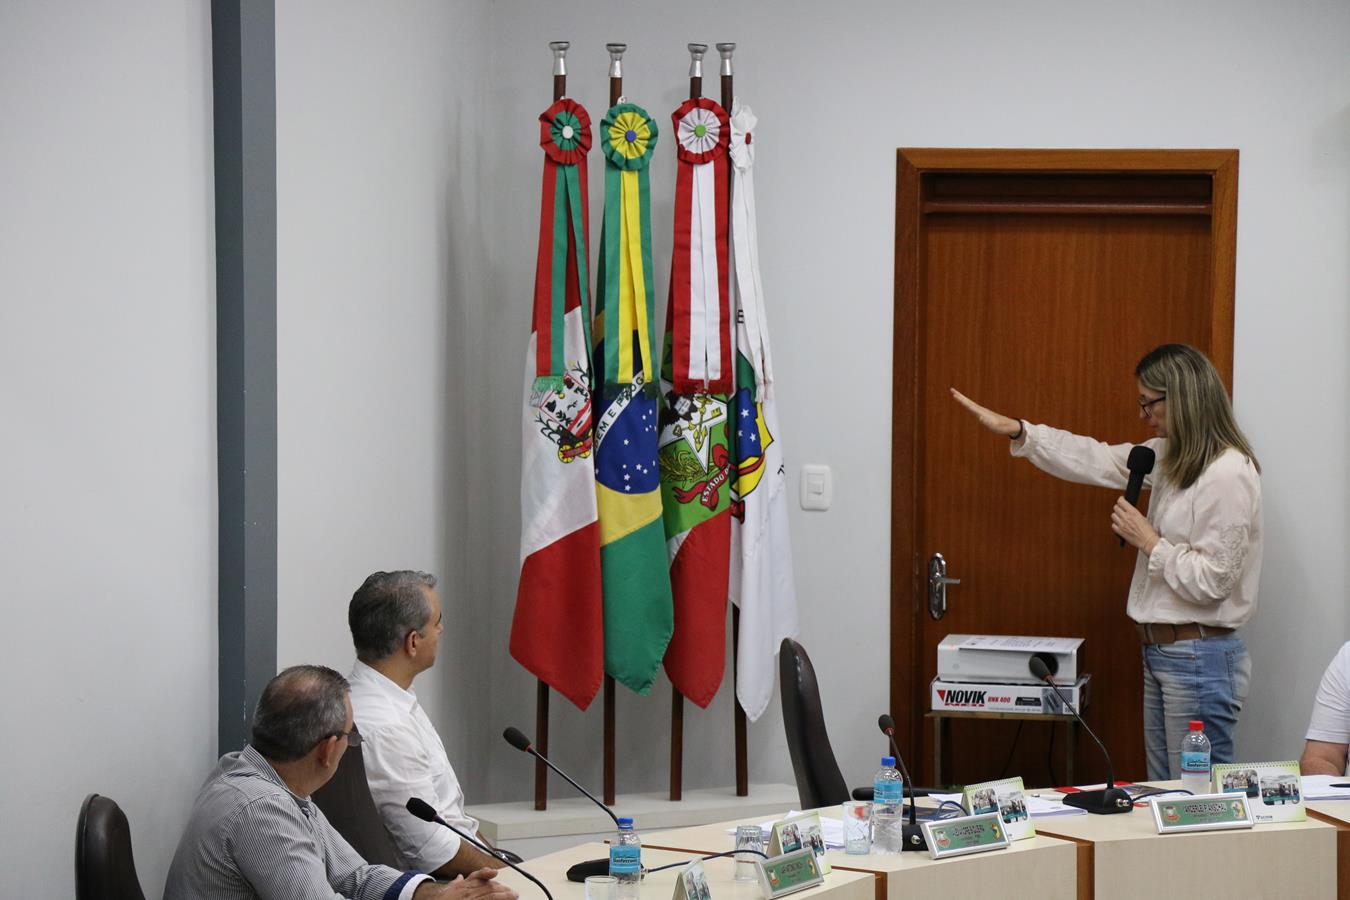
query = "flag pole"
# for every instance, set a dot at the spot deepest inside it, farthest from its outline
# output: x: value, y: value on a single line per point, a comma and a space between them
x: 742, y: 759
x: 696, y: 52
x: 616, y: 52
x: 541, y: 698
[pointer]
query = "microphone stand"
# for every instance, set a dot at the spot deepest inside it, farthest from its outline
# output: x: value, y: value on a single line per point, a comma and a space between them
x: 1109, y: 799
x: 518, y: 740
x: 420, y: 809
x: 912, y: 833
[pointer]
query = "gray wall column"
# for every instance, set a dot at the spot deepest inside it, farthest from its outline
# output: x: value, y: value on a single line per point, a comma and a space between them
x: 243, y: 45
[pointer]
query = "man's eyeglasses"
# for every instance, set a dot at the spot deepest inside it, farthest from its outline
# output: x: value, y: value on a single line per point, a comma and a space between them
x: 1146, y: 405
x: 353, y: 737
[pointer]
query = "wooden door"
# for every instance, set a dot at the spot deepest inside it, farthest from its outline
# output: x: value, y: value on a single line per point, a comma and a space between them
x: 1033, y: 281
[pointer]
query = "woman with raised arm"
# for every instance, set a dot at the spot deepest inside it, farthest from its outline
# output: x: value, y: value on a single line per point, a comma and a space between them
x: 1199, y: 545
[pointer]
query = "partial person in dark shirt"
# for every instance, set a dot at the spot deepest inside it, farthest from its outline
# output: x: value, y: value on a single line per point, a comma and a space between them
x: 255, y: 833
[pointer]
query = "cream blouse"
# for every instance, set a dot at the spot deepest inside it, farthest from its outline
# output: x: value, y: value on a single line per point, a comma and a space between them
x: 1206, y: 566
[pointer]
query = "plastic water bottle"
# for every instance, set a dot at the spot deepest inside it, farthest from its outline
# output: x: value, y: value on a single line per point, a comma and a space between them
x: 888, y: 802
x: 625, y: 861
x: 1195, y: 760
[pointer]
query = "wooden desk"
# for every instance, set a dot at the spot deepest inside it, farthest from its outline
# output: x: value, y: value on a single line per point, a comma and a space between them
x: 1041, y: 867
x: 1336, y: 813
x: 552, y: 868
x: 1130, y: 859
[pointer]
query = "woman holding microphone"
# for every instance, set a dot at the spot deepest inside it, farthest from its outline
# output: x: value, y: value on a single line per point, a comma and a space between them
x: 1199, y: 559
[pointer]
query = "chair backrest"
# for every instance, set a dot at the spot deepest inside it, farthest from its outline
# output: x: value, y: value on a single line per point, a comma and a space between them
x: 819, y: 781
x: 346, y: 802
x: 104, y: 867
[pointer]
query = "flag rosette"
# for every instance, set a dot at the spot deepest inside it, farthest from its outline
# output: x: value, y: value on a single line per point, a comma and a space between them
x: 742, y: 150
x: 565, y: 132
x: 702, y: 131
x: 629, y: 136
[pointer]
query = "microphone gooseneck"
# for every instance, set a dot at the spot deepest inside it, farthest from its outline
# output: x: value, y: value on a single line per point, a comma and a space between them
x: 1110, y: 799
x: 516, y: 738
x: 912, y: 837
x: 424, y: 811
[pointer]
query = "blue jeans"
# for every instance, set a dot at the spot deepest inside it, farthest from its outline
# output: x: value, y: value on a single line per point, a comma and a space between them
x: 1205, y: 679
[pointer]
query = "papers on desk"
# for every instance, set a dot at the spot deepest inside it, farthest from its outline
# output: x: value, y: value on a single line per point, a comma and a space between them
x: 1326, y: 787
x: 1036, y: 805
x: 830, y: 829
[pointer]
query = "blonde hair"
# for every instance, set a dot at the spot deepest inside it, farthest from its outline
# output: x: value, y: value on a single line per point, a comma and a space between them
x: 1200, y: 422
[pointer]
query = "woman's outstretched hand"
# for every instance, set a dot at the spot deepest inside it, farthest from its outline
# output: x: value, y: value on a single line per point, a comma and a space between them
x: 995, y: 422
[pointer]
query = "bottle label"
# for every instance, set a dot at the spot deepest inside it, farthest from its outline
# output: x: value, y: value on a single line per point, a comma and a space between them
x: 888, y: 791
x: 625, y: 859
x: 1194, y: 763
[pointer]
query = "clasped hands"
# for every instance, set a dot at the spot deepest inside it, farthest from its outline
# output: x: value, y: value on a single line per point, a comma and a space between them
x: 478, y: 885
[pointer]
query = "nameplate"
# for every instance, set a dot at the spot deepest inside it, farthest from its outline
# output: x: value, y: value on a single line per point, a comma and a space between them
x: 1273, y: 789
x: 968, y: 834
x: 1206, y: 812
x: 789, y: 873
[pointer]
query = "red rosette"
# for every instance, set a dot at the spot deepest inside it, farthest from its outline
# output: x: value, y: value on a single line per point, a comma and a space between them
x: 565, y: 132
x: 702, y: 131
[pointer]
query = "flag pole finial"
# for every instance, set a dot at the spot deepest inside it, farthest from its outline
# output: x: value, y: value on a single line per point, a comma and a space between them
x: 616, y: 52
x: 696, y: 52
x: 726, y: 50
x: 559, y: 49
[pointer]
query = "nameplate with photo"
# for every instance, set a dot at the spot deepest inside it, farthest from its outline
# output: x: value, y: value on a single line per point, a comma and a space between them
x: 968, y: 834
x: 692, y: 883
x: 789, y: 873
x: 1205, y: 812
x: 1008, y: 798
x: 803, y: 832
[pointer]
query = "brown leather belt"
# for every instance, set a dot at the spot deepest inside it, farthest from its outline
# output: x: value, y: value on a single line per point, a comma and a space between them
x: 1161, y: 633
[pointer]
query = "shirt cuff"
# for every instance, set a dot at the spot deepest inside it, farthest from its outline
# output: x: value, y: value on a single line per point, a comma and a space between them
x: 1157, y: 560
x: 406, y: 886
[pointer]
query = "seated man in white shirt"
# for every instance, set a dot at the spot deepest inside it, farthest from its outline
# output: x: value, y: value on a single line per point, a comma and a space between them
x: 1329, y: 731
x: 395, y: 619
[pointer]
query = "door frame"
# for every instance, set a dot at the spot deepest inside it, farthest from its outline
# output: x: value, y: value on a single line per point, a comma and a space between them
x: 908, y: 695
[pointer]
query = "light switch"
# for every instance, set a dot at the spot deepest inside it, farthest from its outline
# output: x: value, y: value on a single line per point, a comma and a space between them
x: 817, y: 487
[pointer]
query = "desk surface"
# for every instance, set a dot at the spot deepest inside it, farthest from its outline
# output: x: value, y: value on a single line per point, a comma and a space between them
x: 1293, y: 859
x: 1044, y: 867
x: 552, y: 871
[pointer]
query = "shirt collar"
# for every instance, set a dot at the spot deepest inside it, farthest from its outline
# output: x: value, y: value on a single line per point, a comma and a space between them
x: 251, y: 759
x: 392, y: 692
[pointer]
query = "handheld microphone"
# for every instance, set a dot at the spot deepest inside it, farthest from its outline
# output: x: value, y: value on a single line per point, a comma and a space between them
x: 516, y: 738
x: 1110, y: 799
x: 424, y: 811
x: 1140, y: 463
x: 913, y: 838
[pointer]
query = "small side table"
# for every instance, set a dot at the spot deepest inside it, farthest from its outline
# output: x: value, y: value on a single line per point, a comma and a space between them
x: 942, y: 733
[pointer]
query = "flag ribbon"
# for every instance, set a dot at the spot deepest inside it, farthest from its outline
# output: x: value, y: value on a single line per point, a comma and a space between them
x: 628, y: 136
x: 754, y: 344
x: 700, y: 301
x: 564, y: 236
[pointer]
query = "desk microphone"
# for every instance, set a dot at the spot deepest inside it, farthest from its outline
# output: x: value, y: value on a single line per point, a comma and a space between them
x: 913, y: 838
x: 424, y: 811
x: 1140, y: 463
x: 1110, y: 799
x: 516, y: 738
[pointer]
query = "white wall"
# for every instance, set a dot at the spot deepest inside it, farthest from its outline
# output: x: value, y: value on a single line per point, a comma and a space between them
x: 376, y: 242
x: 838, y: 88
x: 107, y: 394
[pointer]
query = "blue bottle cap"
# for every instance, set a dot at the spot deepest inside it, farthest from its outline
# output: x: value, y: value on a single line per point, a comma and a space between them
x: 625, y: 822
x: 888, y: 761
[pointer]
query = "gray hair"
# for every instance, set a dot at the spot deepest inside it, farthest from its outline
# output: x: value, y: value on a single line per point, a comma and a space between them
x: 298, y: 709
x: 385, y: 608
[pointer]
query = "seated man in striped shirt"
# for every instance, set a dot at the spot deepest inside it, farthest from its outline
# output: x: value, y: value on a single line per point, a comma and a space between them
x: 254, y: 832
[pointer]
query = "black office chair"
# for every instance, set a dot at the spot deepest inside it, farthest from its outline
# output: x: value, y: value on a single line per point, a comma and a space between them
x: 104, y: 867
x: 819, y: 781
x: 346, y: 802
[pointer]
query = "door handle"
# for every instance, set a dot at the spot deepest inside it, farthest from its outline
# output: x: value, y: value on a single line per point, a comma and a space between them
x: 937, y: 586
